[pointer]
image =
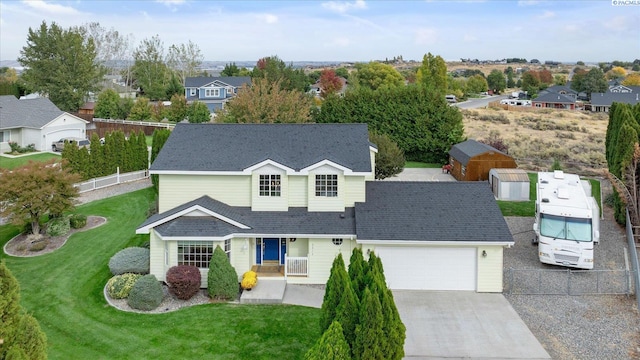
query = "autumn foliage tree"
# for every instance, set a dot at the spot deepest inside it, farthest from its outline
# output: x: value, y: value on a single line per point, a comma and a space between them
x: 267, y: 102
x: 35, y: 190
x: 330, y: 83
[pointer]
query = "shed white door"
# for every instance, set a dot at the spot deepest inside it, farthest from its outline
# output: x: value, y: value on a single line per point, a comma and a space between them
x: 429, y: 268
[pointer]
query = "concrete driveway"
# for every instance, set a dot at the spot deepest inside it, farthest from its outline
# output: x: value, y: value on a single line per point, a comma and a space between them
x: 421, y: 174
x: 464, y: 325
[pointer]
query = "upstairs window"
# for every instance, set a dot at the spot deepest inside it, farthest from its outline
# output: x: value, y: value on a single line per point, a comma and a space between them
x: 269, y: 185
x: 212, y: 92
x: 327, y: 185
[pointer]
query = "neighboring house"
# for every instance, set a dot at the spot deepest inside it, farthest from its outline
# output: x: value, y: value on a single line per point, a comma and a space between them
x: 471, y: 161
x: 560, y: 89
x: 316, y: 89
x: 554, y: 101
x: 87, y: 108
x: 601, y: 102
x: 214, y: 91
x: 36, y: 121
x: 297, y: 195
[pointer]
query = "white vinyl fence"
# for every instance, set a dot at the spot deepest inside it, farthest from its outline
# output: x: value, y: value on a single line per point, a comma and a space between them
x: 110, y: 180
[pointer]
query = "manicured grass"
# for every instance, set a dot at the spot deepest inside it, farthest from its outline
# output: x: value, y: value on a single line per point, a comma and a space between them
x: 12, y: 163
x: 417, y: 164
x: 149, y: 140
x: 64, y: 291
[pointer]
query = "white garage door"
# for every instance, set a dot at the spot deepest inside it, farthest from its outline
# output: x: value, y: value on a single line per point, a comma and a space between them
x: 429, y: 268
x: 57, y: 135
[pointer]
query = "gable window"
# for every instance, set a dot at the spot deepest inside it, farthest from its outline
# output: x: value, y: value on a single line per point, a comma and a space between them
x: 337, y: 241
x: 269, y: 185
x: 327, y: 185
x: 212, y: 92
x: 195, y: 253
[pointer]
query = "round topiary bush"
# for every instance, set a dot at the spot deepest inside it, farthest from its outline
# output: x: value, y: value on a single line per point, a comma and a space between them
x: 58, y: 226
x: 130, y: 260
x: 119, y: 286
x: 78, y: 221
x: 146, y: 293
x: 183, y: 281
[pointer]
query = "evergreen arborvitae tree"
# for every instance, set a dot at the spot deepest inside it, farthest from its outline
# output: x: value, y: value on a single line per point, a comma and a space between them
x: 347, y: 314
x: 357, y: 272
x: 337, y: 282
x: 393, y: 328
x: 331, y: 346
x: 374, y: 266
x: 21, y: 334
x: 222, y: 282
x: 369, y: 334
x: 160, y: 136
x: 142, y: 152
x: 96, y: 157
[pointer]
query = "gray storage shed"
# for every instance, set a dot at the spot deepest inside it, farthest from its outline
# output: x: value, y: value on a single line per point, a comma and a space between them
x: 509, y: 184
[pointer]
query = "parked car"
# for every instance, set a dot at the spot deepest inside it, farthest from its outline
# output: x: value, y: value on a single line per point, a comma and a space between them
x: 59, y: 145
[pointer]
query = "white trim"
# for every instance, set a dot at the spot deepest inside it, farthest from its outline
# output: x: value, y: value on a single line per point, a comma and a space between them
x: 252, y: 168
x: 345, y: 170
x: 241, y: 172
x: 373, y: 149
x: 431, y: 243
x: 256, y: 235
x: 145, y: 229
x: 61, y: 115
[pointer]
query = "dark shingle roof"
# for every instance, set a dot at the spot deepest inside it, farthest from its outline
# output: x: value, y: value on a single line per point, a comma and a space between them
x: 608, y: 98
x: 235, y: 147
x: 293, y: 221
x: 464, y: 151
x: 554, y: 98
x: 430, y: 211
x: 235, y: 81
x: 31, y: 113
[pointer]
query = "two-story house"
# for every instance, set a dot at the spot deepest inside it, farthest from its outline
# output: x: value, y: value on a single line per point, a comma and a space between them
x: 296, y: 195
x: 214, y: 91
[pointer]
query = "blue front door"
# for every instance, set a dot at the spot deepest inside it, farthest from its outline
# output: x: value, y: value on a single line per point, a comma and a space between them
x: 271, y: 249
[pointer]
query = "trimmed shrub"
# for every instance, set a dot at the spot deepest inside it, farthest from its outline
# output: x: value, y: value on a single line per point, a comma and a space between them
x: 222, y: 281
x: 249, y: 280
x: 130, y: 260
x: 184, y: 281
x: 39, y: 246
x: 58, y: 227
x: 120, y: 286
x: 78, y: 221
x: 146, y: 293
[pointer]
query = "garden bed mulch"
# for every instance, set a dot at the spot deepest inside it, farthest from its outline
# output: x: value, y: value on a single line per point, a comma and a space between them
x: 19, y: 246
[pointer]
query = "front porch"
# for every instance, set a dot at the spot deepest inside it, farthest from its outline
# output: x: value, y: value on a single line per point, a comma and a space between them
x: 293, y: 266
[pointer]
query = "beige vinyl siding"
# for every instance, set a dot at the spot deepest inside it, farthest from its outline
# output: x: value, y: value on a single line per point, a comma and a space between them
x: 175, y: 190
x: 298, y: 248
x: 157, y: 264
x: 269, y: 203
x: 373, y: 165
x: 322, y: 252
x: 326, y: 203
x: 241, y: 253
x: 354, y: 190
x: 298, y: 191
x: 490, y: 269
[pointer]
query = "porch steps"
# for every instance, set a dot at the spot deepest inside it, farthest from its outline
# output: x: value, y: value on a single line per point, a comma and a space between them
x: 267, y: 291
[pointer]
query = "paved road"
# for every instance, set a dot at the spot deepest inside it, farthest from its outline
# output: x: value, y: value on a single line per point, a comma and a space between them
x: 479, y: 103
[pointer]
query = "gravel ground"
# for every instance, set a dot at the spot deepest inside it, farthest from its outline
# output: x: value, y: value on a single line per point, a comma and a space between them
x: 576, y: 326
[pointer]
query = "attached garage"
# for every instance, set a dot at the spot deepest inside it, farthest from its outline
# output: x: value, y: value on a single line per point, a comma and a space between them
x: 429, y: 268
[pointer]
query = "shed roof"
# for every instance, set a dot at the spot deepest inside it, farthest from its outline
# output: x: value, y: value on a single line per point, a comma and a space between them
x: 464, y: 151
x: 510, y: 175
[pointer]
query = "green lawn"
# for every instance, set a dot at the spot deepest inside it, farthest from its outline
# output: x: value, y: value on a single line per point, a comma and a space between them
x: 63, y: 290
x: 417, y: 164
x: 12, y: 163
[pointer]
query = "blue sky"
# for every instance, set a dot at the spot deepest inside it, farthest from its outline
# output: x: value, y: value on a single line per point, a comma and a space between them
x: 360, y: 30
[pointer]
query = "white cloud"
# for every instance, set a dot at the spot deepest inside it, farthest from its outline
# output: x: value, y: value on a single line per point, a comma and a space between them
x: 345, y: 6
x: 426, y: 36
x: 547, y: 15
x: 268, y: 18
x: 528, y: 2
x: 54, y: 9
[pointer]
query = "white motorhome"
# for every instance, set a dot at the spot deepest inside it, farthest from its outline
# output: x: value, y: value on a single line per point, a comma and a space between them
x: 567, y: 223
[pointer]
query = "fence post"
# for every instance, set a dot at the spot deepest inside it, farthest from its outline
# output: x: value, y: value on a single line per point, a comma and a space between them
x: 118, y: 175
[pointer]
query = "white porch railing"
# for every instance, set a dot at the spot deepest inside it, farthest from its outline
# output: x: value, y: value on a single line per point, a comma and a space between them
x: 117, y: 178
x: 296, y: 266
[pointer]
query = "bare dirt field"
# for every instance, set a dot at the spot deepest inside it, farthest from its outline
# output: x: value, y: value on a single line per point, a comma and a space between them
x: 536, y: 137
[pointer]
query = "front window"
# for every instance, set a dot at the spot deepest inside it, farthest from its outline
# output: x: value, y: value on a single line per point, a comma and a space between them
x: 195, y: 253
x: 269, y: 185
x: 212, y: 92
x: 565, y: 228
x: 227, y: 248
x: 327, y: 185
x: 192, y: 92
